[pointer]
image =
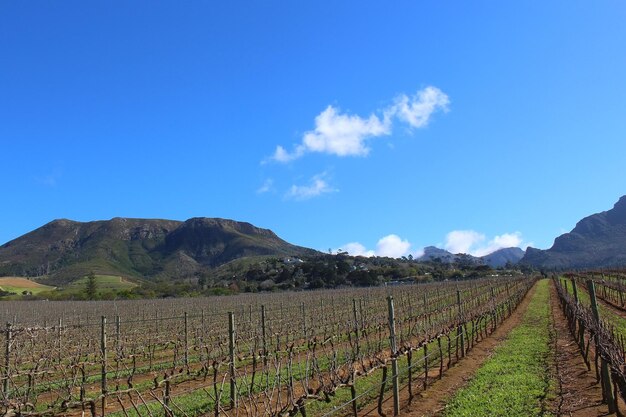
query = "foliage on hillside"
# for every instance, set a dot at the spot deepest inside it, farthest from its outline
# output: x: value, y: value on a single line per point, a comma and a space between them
x: 276, y: 274
x: 149, y: 249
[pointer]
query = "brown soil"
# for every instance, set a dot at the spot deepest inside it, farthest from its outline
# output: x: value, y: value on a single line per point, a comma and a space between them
x: 579, y: 394
x: 432, y: 401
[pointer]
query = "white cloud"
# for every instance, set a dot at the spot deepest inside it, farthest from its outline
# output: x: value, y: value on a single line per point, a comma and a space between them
x: 417, y: 253
x: 281, y: 155
x: 268, y: 185
x: 507, y: 240
x: 357, y: 249
x: 392, y: 246
x: 461, y: 241
x: 457, y: 241
x: 417, y: 110
x: 476, y: 244
x: 343, y: 134
x: 337, y: 134
x: 316, y: 187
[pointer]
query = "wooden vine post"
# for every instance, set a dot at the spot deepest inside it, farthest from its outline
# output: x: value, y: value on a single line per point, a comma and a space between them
x: 304, y: 329
x: 103, y: 349
x: 425, y: 365
x: 382, y: 392
x: 118, y: 346
x: 7, y: 360
x: 460, y: 328
x: 167, y: 396
x: 59, y: 339
x: 394, y: 360
x: 575, y: 288
x: 231, y: 348
x: 355, y: 409
x: 186, y: 331
x: 361, y: 312
x: 264, y: 334
x: 607, y: 392
x: 356, y: 327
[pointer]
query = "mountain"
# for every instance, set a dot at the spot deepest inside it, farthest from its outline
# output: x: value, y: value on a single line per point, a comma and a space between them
x: 495, y: 259
x: 503, y: 256
x: 140, y: 248
x: 433, y: 252
x: 597, y: 241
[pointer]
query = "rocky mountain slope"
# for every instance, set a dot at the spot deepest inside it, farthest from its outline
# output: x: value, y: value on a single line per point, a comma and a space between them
x: 503, y: 256
x: 140, y: 248
x: 597, y: 241
x: 432, y: 252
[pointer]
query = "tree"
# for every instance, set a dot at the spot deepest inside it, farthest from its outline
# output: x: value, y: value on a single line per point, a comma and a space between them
x: 285, y: 275
x: 91, y: 288
x: 202, y: 281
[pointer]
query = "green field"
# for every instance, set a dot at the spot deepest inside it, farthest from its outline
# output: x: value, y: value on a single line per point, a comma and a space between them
x: 18, y: 285
x: 103, y: 282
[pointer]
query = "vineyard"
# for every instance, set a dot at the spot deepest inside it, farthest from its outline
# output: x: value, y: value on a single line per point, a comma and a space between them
x: 343, y: 352
x: 594, y: 306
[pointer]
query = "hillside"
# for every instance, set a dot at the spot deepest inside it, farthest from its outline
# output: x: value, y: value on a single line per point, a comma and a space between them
x: 140, y: 248
x: 433, y: 252
x: 496, y: 259
x: 597, y: 241
x: 503, y: 256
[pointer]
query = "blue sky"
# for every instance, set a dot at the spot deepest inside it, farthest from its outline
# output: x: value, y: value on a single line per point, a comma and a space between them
x: 377, y: 127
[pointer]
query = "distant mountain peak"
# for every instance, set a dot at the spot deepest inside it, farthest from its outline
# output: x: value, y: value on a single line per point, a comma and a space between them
x: 495, y: 259
x: 596, y: 241
x: 501, y: 257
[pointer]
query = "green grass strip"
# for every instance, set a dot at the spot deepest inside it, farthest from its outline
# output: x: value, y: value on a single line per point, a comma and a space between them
x: 516, y: 379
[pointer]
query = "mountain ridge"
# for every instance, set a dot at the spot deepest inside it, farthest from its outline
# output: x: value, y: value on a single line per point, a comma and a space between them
x: 597, y: 241
x: 139, y: 248
x: 495, y: 259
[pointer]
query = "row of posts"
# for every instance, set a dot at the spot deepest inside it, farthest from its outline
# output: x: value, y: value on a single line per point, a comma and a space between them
x: 607, y: 392
x: 232, y: 347
x: 103, y: 350
x: 394, y: 348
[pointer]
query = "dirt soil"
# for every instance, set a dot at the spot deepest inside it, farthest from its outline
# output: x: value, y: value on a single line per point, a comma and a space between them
x: 433, y: 401
x: 579, y: 394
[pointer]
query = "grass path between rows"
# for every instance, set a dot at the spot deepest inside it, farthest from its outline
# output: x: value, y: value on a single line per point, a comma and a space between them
x: 516, y: 380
